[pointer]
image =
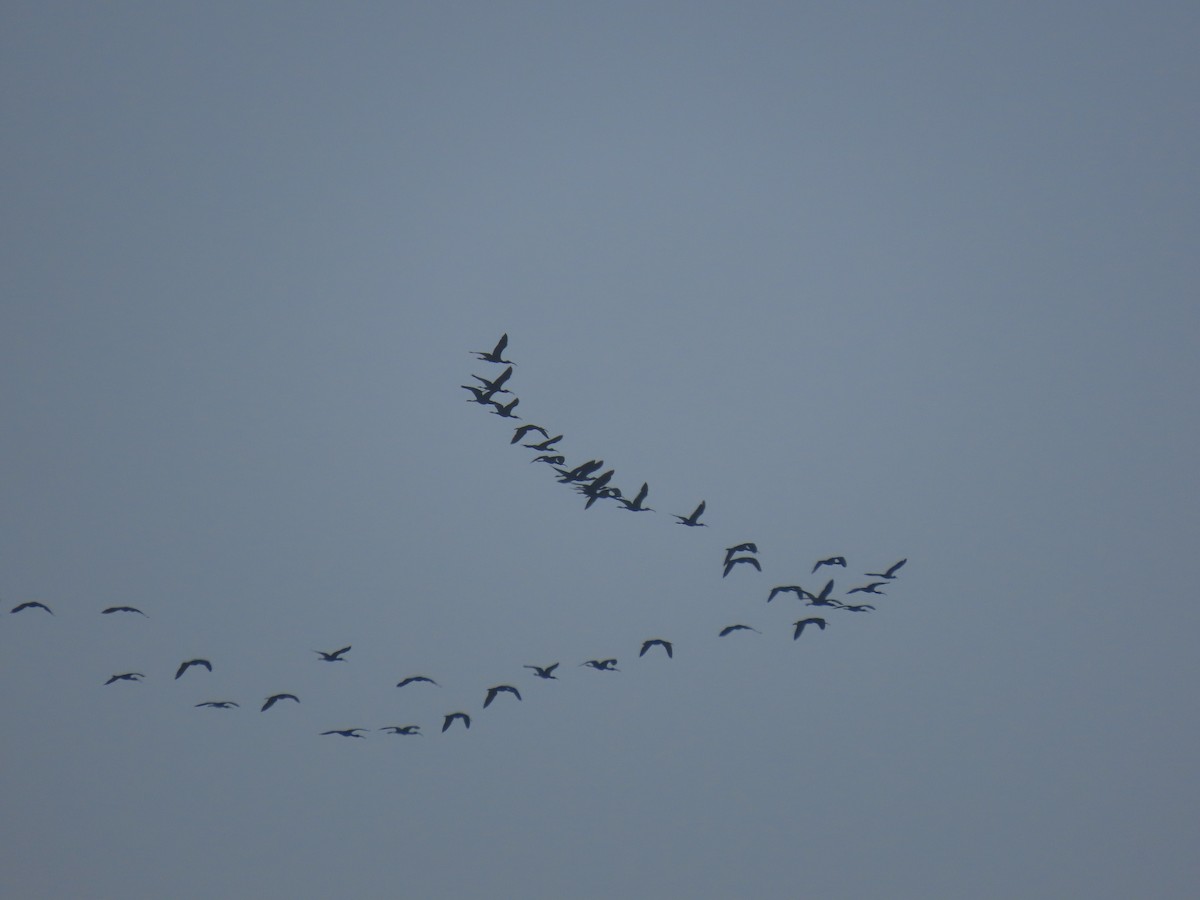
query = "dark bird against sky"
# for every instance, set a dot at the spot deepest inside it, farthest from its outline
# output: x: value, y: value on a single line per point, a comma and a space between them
x: 495, y: 354
x: 492, y: 692
x: 820, y: 623
x: 345, y: 732
x: 890, y: 573
x: 729, y: 629
x: 544, y: 671
x: 335, y: 656
x: 450, y: 717
x: 218, y: 704
x: 602, y: 665
x: 413, y: 679
x: 730, y: 563
x: 402, y: 729
x: 275, y: 698
x: 659, y: 642
x: 31, y: 604
x: 832, y: 561
x: 126, y: 676
x: 184, y: 666
x: 125, y: 609
x: 693, y: 518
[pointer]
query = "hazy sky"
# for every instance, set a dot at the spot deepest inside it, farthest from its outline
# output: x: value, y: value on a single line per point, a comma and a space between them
x: 877, y: 280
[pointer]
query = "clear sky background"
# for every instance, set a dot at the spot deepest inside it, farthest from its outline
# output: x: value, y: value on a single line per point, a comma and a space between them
x: 881, y: 280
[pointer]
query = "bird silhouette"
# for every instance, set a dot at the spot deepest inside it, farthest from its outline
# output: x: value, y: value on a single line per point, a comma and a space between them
x: 581, y: 472
x: 335, y: 656
x: 635, y: 505
x: 552, y: 460
x: 415, y: 678
x: 495, y: 385
x: 857, y: 607
x: 126, y: 676
x: 747, y: 547
x: 493, y: 691
x: 694, y: 518
x: 345, y: 732
x: 184, y: 666
x: 871, y: 588
x: 521, y: 430
x: 544, y: 672
x: 505, y: 410
x: 820, y: 623
x: 890, y: 573
x: 602, y: 665
x: 730, y: 563
x: 547, y: 444
x: 832, y: 561
x: 666, y: 645
x: 31, y: 604
x: 482, y: 396
x: 275, y: 698
x: 494, y: 355
x: 402, y: 729
x: 787, y: 589
x: 117, y: 609
x: 448, y: 720
x: 218, y: 704
x: 729, y: 629
x: 822, y: 599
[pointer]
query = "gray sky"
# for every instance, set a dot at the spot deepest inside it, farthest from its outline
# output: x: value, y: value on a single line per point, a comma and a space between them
x: 878, y: 280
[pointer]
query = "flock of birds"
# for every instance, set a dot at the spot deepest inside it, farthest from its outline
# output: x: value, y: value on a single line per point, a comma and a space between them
x: 593, y: 484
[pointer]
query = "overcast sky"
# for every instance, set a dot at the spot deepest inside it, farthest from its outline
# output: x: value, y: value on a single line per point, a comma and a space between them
x: 877, y: 280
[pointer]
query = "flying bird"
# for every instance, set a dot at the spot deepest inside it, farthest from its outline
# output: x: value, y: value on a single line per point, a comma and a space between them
x: 547, y: 444
x: 184, y: 666
x: 402, y: 729
x: 335, y: 656
x: 495, y: 354
x: 31, y: 604
x: 415, y: 678
x: 553, y: 460
x: 729, y: 629
x: 274, y: 698
x: 666, y: 645
x: 482, y: 397
x: 496, y: 386
x: 747, y: 547
x: 857, y: 607
x: 832, y: 561
x: 522, y: 430
x: 822, y: 599
x: 505, y: 410
x: 126, y: 676
x: 787, y: 589
x: 730, y: 563
x: 871, y: 588
x: 581, y: 472
x: 544, y: 672
x: 890, y: 573
x: 820, y: 623
x: 218, y: 704
x: 694, y: 518
x: 602, y: 665
x: 345, y: 732
x: 116, y: 609
x: 635, y: 505
x: 493, y: 691
x: 450, y: 717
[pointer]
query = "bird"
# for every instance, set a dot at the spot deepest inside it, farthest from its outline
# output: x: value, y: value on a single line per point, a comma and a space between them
x: 581, y: 472
x: 635, y: 505
x: 115, y: 609
x: 857, y: 607
x: 335, y: 656
x: 832, y: 561
x: 450, y: 717
x: 787, y: 589
x: 890, y: 573
x: 505, y: 410
x: 553, y: 460
x: 126, y: 676
x: 730, y: 563
x: 482, y: 397
x: 820, y: 623
x: 730, y: 629
x: 496, y: 385
x: 747, y: 547
x: 871, y: 588
x: 218, y: 704
x: 544, y: 671
x: 274, y: 698
x: 492, y: 692
x: 666, y: 645
x: 494, y: 354
x: 31, y: 604
x: 184, y: 666
x: 522, y: 430
x: 414, y: 678
x: 403, y: 729
x: 345, y: 732
x: 694, y: 518
x: 822, y: 599
x: 602, y: 665
x: 547, y: 444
